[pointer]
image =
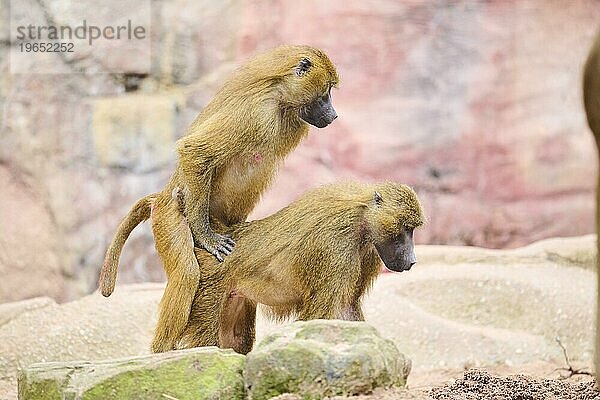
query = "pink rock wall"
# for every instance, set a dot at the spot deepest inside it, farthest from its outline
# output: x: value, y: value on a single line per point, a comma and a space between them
x: 477, y: 104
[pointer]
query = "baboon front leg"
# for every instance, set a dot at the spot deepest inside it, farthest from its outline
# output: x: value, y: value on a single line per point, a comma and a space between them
x: 329, y: 309
x: 203, y: 325
x: 175, y: 247
x: 322, y: 305
x: 237, y: 323
x: 352, y: 312
x: 197, y: 193
x: 327, y: 298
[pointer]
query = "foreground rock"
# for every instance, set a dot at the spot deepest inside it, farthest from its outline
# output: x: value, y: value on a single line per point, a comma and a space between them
x: 315, y: 359
x: 324, y: 358
x: 92, y: 328
x: 201, y: 373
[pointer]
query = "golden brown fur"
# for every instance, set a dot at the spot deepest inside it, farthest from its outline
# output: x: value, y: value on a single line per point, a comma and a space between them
x: 591, y: 99
x: 315, y: 258
x: 226, y: 161
x: 138, y: 214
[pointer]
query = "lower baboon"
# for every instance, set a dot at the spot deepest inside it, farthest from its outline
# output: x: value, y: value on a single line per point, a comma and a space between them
x: 315, y: 258
x: 591, y: 99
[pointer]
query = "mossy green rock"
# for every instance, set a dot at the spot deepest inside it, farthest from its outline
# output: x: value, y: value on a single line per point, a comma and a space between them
x: 200, y: 373
x: 324, y: 358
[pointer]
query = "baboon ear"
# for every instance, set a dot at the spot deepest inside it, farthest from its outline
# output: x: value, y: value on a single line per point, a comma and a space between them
x: 377, y: 199
x: 303, y: 66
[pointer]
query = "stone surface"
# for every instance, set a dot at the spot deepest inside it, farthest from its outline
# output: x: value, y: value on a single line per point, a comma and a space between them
x: 9, y: 311
x: 576, y: 251
x: 92, y: 328
x: 29, y: 243
x: 476, y: 104
x: 323, y: 358
x: 135, y: 132
x: 476, y: 307
x: 477, y: 384
x: 201, y: 373
x: 287, y: 396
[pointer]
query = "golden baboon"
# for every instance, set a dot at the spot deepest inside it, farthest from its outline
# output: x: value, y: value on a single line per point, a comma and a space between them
x: 315, y: 258
x: 591, y: 99
x: 226, y: 161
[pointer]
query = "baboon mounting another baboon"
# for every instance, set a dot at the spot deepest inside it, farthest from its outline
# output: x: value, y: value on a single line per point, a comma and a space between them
x: 315, y: 258
x: 227, y: 159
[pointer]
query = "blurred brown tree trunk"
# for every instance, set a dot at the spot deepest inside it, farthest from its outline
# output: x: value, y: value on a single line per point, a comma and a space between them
x: 591, y: 99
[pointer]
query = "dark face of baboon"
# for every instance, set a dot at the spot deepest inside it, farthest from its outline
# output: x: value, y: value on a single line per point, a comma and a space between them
x: 397, y: 252
x: 304, y: 86
x: 394, y: 214
x: 320, y: 112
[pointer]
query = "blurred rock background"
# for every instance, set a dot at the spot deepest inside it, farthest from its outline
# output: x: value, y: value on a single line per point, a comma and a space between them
x: 477, y: 104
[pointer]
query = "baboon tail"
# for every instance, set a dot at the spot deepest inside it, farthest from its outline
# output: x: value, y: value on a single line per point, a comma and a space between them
x: 138, y: 214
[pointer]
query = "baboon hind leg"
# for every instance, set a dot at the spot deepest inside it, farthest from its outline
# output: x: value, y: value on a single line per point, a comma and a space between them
x: 175, y: 247
x: 237, y: 327
x: 203, y: 325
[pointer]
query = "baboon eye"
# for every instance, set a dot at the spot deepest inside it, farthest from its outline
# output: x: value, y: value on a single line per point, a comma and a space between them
x: 377, y: 198
x: 303, y: 66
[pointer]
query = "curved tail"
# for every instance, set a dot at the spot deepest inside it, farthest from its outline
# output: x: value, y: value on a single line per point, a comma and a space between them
x: 138, y: 214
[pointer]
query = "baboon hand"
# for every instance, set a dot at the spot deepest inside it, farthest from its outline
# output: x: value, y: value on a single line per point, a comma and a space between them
x: 216, y: 244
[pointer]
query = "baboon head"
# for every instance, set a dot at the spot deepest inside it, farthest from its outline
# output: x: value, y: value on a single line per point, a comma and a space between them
x: 301, y: 78
x: 393, y: 214
x: 317, y: 108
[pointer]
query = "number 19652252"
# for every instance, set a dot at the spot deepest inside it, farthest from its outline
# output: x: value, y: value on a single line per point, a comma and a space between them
x: 46, y: 47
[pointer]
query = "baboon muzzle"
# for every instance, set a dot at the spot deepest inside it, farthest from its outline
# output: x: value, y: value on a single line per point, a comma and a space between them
x: 396, y: 256
x: 320, y: 112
